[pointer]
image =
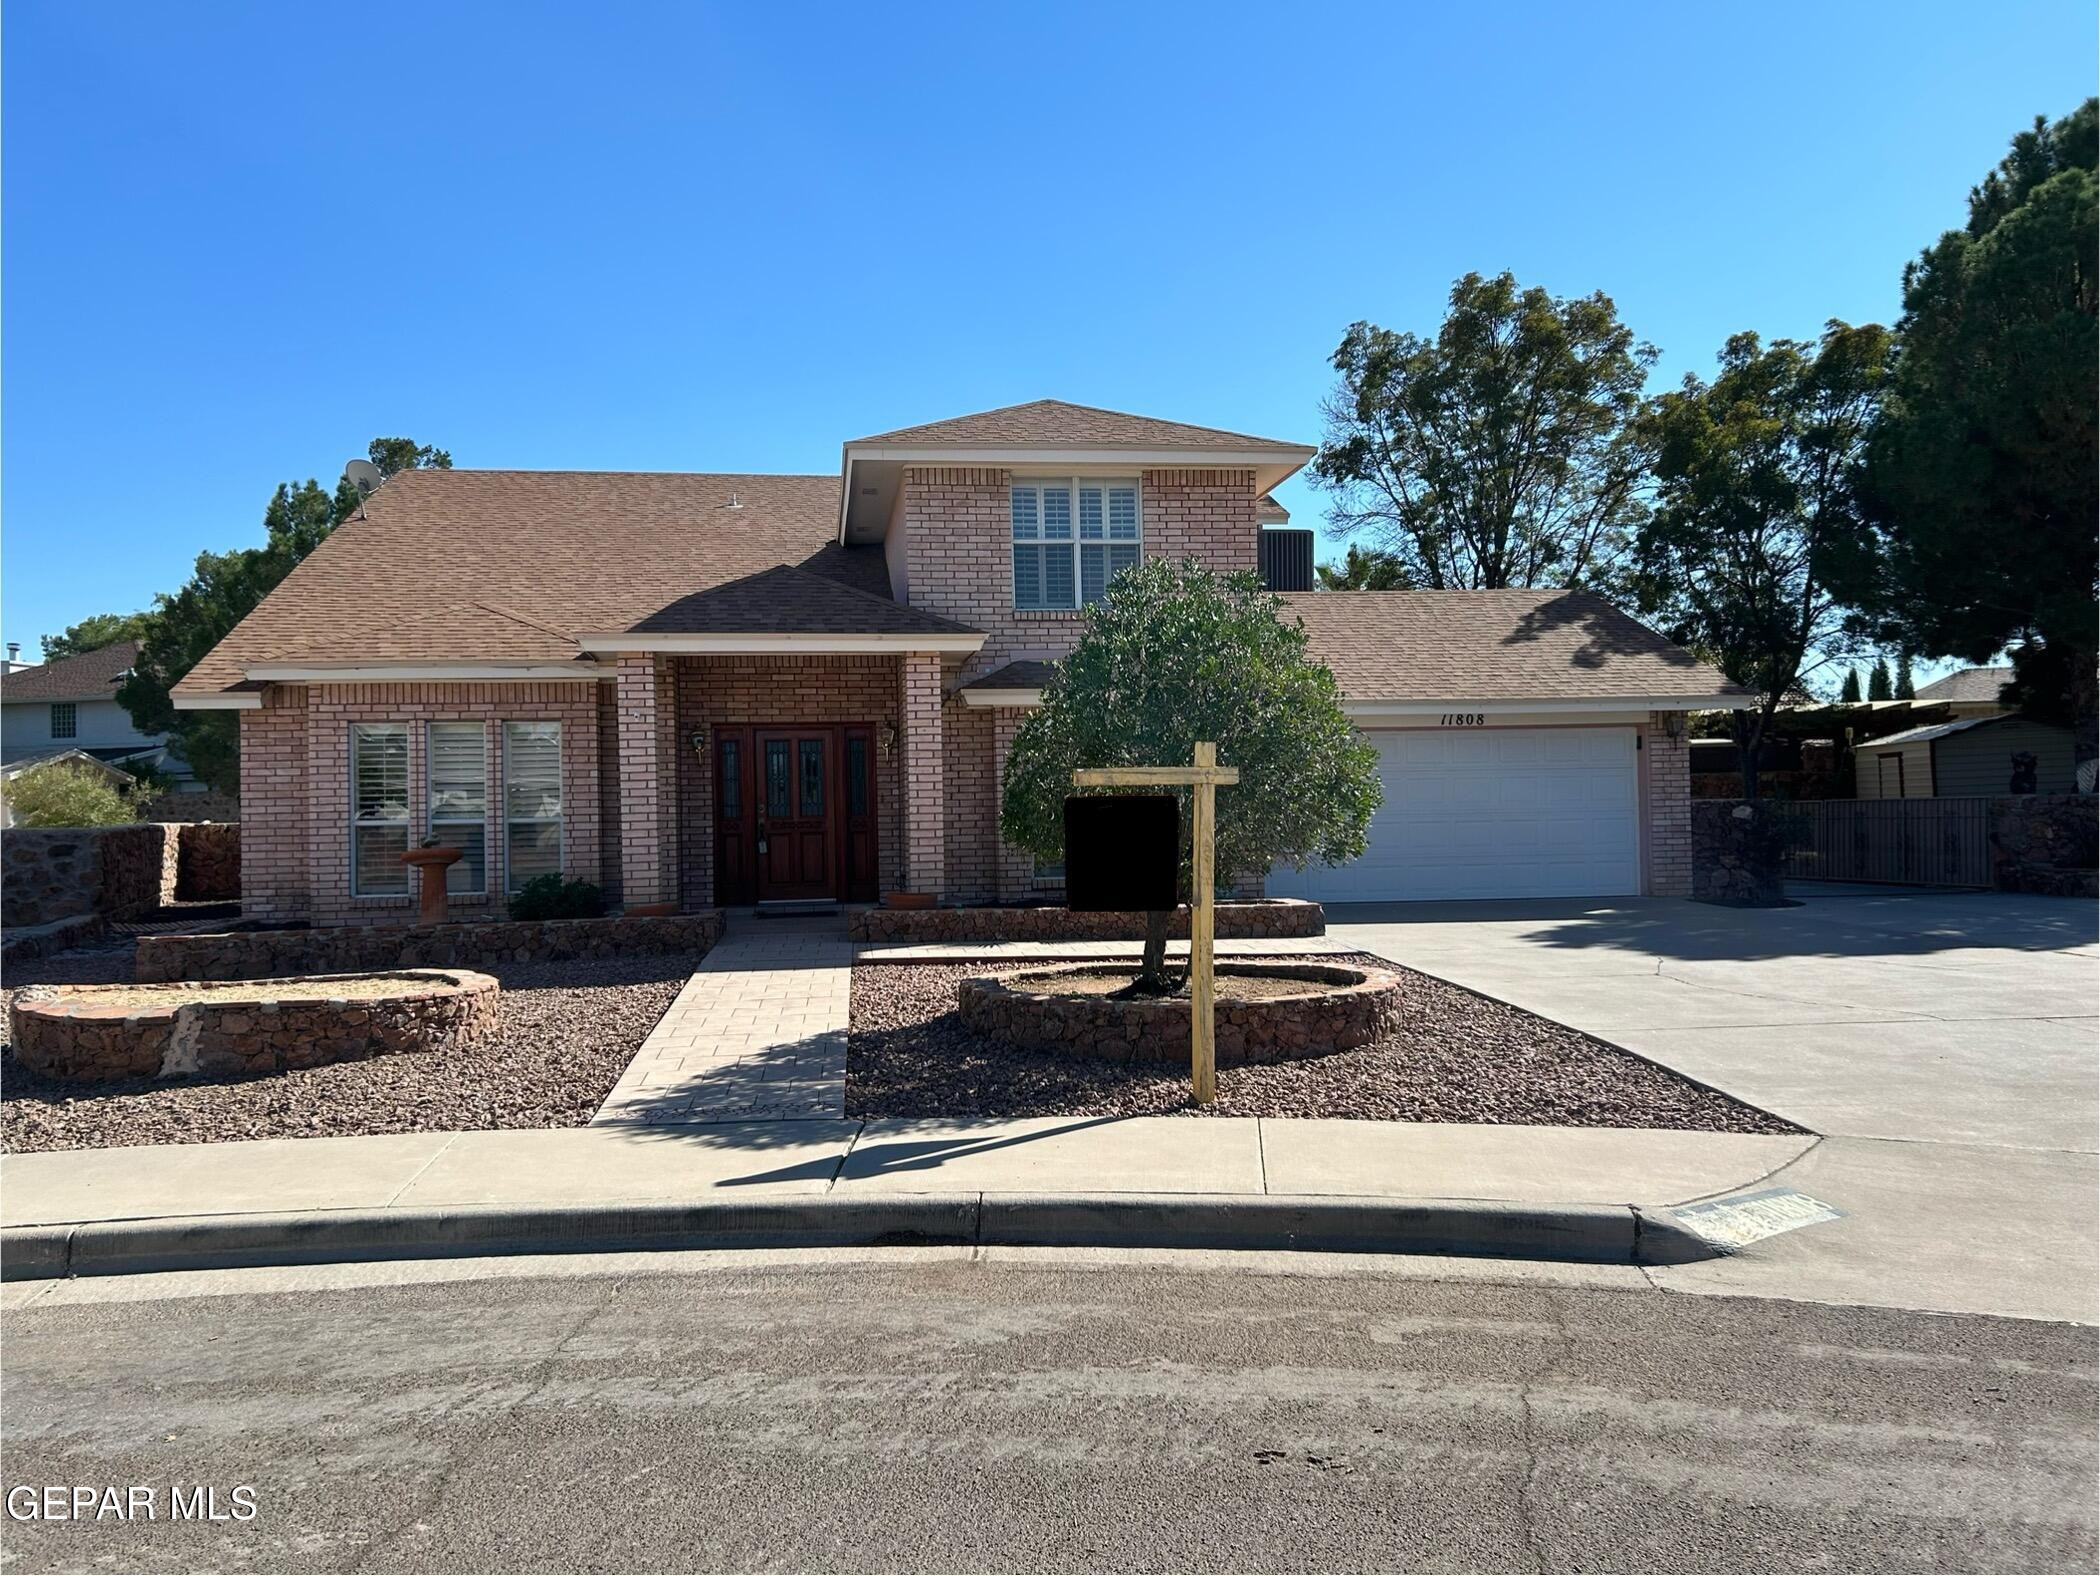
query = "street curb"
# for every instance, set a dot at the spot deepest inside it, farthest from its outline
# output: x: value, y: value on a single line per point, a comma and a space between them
x: 1569, y: 1233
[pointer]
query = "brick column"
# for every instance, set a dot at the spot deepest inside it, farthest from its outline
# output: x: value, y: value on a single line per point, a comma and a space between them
x: 1669, y: 804
x: 277, y: 833
x: 925, y: 801
x: 648, y: 800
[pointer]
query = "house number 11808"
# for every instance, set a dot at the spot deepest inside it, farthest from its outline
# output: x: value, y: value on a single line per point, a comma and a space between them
x: 1465, y: 719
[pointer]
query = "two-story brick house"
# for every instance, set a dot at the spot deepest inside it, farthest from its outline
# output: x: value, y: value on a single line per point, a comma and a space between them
x: 729, y: 689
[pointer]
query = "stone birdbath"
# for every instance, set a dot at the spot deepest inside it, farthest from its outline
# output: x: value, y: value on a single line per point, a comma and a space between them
x: 432, y: 861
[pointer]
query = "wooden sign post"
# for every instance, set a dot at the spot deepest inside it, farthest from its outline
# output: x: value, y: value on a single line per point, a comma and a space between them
x: 1206, y: 777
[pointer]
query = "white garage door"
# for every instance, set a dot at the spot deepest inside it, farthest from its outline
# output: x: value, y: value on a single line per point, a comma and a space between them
x: 1493, y: 812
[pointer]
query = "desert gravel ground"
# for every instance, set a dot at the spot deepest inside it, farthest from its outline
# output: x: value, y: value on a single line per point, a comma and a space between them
x: 569, y: 1029
x: 1459, y: 1057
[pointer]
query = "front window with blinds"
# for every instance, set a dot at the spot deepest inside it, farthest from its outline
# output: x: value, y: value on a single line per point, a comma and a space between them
x: 458, y: 769
x: 1070, y: 538
x: 378, y: 809
x: 531, y: 801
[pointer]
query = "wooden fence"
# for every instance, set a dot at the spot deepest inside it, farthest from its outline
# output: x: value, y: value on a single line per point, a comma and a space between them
x: 1918, y: 842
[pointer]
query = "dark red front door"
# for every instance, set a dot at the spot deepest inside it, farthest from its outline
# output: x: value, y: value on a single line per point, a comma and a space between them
x: 797, y: 827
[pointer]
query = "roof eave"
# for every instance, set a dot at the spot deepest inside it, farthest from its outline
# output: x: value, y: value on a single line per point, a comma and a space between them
x: 783, y: 643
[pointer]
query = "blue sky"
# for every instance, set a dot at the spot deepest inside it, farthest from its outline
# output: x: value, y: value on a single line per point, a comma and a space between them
x: 240, y: 241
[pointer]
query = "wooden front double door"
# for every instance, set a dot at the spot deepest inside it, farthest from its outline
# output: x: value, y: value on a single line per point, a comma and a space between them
x: 795, y: 813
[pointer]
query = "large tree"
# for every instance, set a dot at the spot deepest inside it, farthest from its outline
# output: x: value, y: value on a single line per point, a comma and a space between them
x: 93, y: 633
x: 223, y: 589
x: 1174, y: 655
x: 1980, y: 480
x: 1498, y: 453
x: 1754, y: 501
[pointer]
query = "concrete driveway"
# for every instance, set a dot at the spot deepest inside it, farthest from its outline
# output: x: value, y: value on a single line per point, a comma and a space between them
x: 1944, y: 1045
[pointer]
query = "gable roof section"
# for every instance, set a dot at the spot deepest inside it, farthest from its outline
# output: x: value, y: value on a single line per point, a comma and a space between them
x: 512, y: 566
x: 1052, y: 423
x: 1552, y: 647
x: 784, y: 600
x: 1968, y: 684
x: 93, y: 675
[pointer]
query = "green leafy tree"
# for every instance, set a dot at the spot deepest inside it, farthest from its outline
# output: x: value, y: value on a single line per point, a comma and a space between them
x: 1365, y: 569
x: 1906, y: 687
x: 1499, y: 453
x: 66, y: 793
x: 1175, y: 655
x: 221, y: 591
x: 1879, y: 686
x: 93, y: 633
x: 1980, y: 480
x: 1848, y: 692
x: 1753, y: 501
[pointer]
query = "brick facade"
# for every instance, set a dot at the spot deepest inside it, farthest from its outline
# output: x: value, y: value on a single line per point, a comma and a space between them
x: 920, y: 714
x: 1666, y: 792
x: 295, y: 787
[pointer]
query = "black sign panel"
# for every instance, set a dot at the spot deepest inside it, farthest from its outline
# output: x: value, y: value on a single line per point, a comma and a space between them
x: 1122, y: 852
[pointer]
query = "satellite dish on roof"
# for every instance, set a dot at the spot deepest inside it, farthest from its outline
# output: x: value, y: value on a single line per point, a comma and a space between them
x: 364, y: 476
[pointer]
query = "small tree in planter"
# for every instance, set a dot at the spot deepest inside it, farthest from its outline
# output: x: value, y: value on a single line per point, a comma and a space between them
x: 1175, y: 655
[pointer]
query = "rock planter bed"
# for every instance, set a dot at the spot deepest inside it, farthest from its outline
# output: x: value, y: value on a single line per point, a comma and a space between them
x: 1266, y: 1012
x: 261, y: 954
x: 1451, y: 1056
x: 1267, y: 919
x: 101, y: 1033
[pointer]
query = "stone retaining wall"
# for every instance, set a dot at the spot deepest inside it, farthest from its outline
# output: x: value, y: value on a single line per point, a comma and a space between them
x: 2047, y: 844
x: 208, y: 862
x: 69, y: 1032
x: 1343, y: 1007
x: 1269, y: 920
x: 1738, y: 852
x: 265, y: 954
x: 54, y: 872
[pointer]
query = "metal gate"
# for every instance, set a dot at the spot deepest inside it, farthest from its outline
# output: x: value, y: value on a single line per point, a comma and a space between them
x: 1917, y: 842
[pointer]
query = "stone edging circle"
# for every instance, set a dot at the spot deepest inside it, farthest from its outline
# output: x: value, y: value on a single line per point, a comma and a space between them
x: 1343, y: 1006
x: 73, y: 1032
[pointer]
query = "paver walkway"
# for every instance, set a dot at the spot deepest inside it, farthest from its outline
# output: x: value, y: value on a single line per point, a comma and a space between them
x: 757, y: 1034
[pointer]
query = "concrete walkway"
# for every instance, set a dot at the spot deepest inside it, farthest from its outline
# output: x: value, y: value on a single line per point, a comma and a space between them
x: 757, y: 1034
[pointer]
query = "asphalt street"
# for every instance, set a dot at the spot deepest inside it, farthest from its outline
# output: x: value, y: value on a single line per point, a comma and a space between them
x: 937, y: 1411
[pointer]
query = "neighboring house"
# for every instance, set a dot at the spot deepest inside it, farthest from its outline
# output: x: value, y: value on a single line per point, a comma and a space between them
x: 701, y: 689
x: 1968, y: 692
x: 1975, y: 756
x: 71, y: 704
x: 77, y: 760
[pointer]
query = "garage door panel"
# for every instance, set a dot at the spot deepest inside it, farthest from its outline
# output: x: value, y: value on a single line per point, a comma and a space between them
x: 1493, y: 812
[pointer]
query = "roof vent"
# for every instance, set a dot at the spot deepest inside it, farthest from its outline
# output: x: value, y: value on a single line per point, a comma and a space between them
x: 736, y: 501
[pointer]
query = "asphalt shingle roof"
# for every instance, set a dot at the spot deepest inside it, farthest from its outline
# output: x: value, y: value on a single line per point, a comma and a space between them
x: 1495, y: 645
x: 513, y: 565
x: 1051, y: 423
x: 93, y: 675
x: 1969, y: 684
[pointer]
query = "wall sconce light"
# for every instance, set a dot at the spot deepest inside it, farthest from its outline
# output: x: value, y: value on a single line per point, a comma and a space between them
x: 1673, y: 726
x: 886, y: 736
x: 700, y: 741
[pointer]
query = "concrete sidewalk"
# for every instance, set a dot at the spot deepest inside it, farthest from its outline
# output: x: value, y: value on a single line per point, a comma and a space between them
x: 1586, y: 1194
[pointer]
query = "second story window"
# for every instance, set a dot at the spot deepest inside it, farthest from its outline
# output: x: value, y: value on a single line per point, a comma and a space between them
x: 1071, y: 536
x: 65, y: 719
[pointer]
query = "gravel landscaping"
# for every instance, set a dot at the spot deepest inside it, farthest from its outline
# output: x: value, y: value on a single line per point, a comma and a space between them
x: 1458, y: 1057
x: 569, y: 1030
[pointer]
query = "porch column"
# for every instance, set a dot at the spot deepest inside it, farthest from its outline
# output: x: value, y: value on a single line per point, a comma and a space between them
x: 648, y: 704
x: 925, y: 798
x: 1668, y: 764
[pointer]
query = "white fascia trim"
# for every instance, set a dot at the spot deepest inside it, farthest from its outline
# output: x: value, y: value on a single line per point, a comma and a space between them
x: 1357, y: 710
x: 1007, y: 458
x: 243, y: 701
x: 1001, y: 697
x: 380, y: 673
x: 802, y: 645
